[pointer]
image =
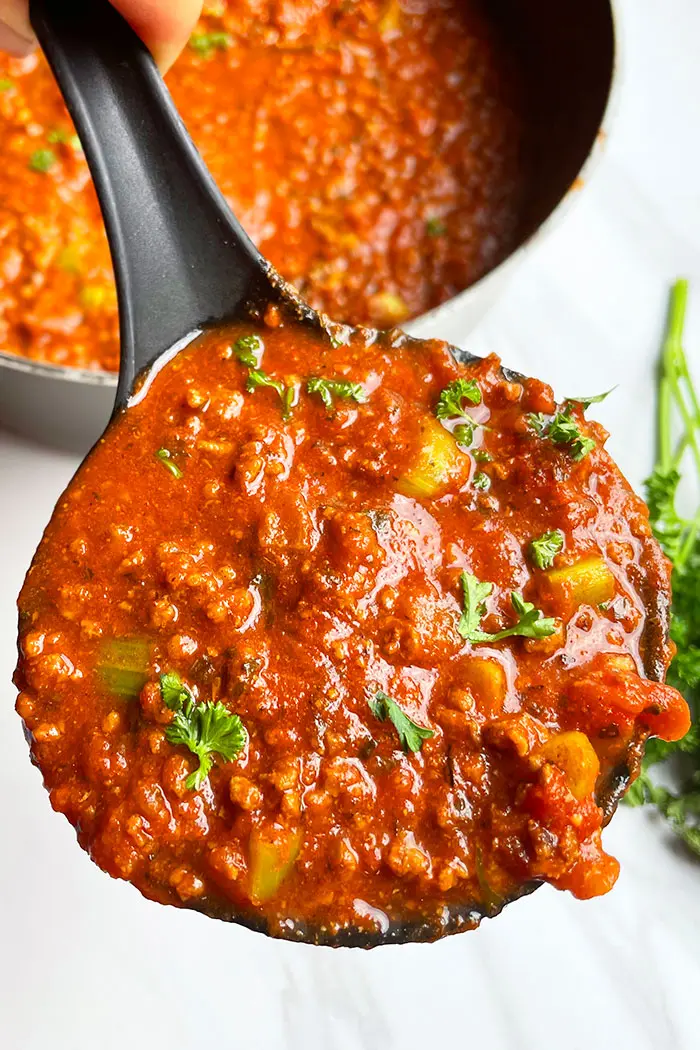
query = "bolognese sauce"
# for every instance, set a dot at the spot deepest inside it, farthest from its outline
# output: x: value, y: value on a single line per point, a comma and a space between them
x: 372, y: 149
x: 332, y: 630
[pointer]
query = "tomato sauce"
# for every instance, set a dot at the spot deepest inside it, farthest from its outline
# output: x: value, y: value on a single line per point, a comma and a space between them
x: 332, y: 632
x: 372, y: 149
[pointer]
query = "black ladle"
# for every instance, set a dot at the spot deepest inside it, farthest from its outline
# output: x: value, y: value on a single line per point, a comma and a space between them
x: 181, y: 258
x: 182, y: 263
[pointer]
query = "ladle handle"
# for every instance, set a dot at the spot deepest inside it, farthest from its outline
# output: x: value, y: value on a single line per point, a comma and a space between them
x: 180, y: 257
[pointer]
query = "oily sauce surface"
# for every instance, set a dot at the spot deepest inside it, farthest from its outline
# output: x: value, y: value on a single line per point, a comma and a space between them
x: 305, y: 565
x: 372, y: 149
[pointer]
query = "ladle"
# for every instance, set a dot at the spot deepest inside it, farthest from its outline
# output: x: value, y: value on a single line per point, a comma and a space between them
x: 182, y: 263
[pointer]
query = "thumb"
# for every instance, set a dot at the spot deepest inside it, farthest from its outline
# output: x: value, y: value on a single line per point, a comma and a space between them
x: 163, y: 25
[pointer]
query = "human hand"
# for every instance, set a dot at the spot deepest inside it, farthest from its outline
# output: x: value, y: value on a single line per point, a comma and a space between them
x: 164, y: 25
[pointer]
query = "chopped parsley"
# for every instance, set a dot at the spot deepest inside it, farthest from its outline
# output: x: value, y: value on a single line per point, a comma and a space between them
x: 62, y: 137
x: 166, y: 458
x: 327, y: 389
x: 562, y: 429
x: 205, y: 44
x: 42, y: 160
x: 463, y: 433
x: 545, y: 548
x: 530, y: 623
x: 451, y: 401
x: 435, y: 227
x: 258, y: 378
x: 206, y: 728
x: 249, y: 350
x: 481, y: 481
x: 410, y: 733
x: 679, y: 535
x: 586, y: 402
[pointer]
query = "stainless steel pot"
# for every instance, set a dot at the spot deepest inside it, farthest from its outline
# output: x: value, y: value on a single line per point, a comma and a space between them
x: 568, y: 50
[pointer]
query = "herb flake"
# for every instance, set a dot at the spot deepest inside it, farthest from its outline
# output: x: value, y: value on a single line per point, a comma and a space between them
x: 410, y: 733
x: 205, y: 728
x: 543, y: 550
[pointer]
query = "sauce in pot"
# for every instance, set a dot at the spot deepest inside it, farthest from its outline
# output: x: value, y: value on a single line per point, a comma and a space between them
x: 371, y: 148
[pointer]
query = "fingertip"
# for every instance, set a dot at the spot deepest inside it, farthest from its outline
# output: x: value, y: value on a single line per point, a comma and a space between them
x: 165, y: 27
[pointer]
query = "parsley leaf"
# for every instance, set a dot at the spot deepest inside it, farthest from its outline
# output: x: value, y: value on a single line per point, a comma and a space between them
x: 463, y: 433
x: 586, y: 402
x: 205, y: 44
x: 544, y: 549
x: 166, y: 458
x: 451, y: 401
x: 435, y: 227
x: 530, y: 623
x: 680, y: 538
x: 562, y: 429
x: 474, y: 605
x: 258, y: 378
x: 411, y: 735
x: 42, y: 160
x: 481, y: 481
x: 206, y: 728
x: 327, y: 389
x: 249, y: 350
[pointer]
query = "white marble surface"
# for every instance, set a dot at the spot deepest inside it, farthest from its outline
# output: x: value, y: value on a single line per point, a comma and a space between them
x: 80, y: 954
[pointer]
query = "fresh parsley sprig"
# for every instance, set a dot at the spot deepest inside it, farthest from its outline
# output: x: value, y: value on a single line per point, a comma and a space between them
x: 679, y: 535
x: 451, y: 403
x: 530, y: 623
x: 206, y: 728
x: 544, y: 549
x: 410, y: 733
x: 562, y: 429
x: 258, y: 378
x: 249, y: 350
x: 343, y: 389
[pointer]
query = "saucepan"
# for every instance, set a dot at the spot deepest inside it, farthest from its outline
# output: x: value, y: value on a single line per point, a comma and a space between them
x: 567, y: 48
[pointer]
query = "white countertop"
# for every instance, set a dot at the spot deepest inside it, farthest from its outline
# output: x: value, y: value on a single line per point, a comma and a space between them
x: 81, y: 954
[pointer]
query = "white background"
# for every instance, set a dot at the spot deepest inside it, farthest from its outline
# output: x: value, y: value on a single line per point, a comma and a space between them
x: 85, y: 963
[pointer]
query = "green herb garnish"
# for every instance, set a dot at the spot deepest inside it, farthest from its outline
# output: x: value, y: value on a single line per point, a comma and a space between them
x: 562, y: 429
x: 165, y: 456
x: 205, y: 44
x: 42, y: 160
x: 435, y: 227
x: 586, y: 402
x: 410, y: 734
x: 327, y: 389
x: 463, y: 433
x: 258, y: 378
x: 122, y: 665
x: 481, y: 481
x: 451, y: 401
x: 249, y: 350
x: 544, y: 549
x: 679, y: 535
x: 5, y: 84
x: 206, y: 728
x: 530, y: 623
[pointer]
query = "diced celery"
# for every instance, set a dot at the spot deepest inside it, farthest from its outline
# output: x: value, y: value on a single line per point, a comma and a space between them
x: 122, y: 666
